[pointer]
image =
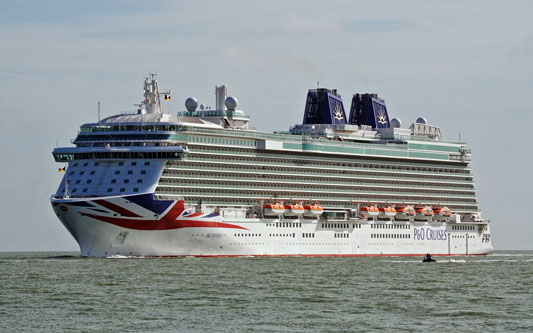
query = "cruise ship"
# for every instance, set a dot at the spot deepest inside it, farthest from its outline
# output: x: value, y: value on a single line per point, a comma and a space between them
x: 202, y: 182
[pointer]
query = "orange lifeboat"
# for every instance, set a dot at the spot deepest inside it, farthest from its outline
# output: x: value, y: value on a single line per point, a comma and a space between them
x: 387, y: 212
x: 273, y: 209
x: 313, y: 210
x: 368, y: 211
x: 294, y: 209
x: 404, y: 212
x: 423, y: 213
x: 442, y: 214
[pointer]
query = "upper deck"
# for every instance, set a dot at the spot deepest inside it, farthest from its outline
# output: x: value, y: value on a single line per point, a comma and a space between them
x: 325, y: 130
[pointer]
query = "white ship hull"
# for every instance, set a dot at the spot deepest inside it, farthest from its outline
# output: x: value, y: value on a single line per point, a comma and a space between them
x: 214, y: 236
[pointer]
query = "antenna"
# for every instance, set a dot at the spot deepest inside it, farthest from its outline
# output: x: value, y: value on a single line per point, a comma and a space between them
x: 317, y: 84
x: 98, y: 112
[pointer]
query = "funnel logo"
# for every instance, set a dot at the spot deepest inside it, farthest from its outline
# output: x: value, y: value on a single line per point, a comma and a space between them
x: 382, y: 118
x: 337, y: 112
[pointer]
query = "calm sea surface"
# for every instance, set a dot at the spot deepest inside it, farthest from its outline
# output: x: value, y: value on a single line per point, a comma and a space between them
x: 460, y: 294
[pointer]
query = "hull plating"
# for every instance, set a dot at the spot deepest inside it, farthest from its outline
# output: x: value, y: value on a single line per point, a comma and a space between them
x: 130, y: 226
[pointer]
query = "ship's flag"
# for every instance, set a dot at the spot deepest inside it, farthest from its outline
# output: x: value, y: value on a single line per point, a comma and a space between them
x: 62, y: 169
x: 167, y: 97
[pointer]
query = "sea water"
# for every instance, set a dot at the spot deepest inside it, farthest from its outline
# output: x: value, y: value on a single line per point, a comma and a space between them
x: 62, y: 292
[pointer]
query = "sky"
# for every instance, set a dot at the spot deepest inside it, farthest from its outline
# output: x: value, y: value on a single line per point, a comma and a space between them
x: 466, y: 66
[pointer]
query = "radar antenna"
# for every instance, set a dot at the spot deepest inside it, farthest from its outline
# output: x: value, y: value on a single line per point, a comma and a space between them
x: 152, y: 97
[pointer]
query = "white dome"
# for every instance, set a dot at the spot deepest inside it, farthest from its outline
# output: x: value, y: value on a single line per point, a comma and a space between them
x: 396, y: 123
x: 191, y: 104
x: 231, y: 103
x: 421, y: 121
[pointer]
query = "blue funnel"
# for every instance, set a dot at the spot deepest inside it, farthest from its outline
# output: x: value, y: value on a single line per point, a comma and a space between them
x: 324, y: 106
x: 369, y: 109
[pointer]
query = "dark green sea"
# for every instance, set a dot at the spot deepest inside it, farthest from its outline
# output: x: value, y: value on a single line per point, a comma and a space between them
x: 491, y: 293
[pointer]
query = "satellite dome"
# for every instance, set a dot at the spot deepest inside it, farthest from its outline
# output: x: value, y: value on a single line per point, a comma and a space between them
x: 202, y: 106
x: 396, y: 123
x: 231, y: 103
x: 191, y: 104
x: 421, y: 121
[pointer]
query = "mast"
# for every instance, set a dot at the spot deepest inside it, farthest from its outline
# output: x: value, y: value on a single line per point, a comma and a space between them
x: 152, y: 96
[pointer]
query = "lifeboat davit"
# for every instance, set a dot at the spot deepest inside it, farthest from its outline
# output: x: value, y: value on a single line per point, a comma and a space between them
x: 294, y: 209
x: 404, y: 213
x: 313, y: 210
x: 442, y: 214
x: 368, y: 212
x: 273, y: 209
x: 423, y: 213
x: 386, y: 212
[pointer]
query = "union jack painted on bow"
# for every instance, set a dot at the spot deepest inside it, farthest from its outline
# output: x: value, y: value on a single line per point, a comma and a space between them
x: 175, y: 218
